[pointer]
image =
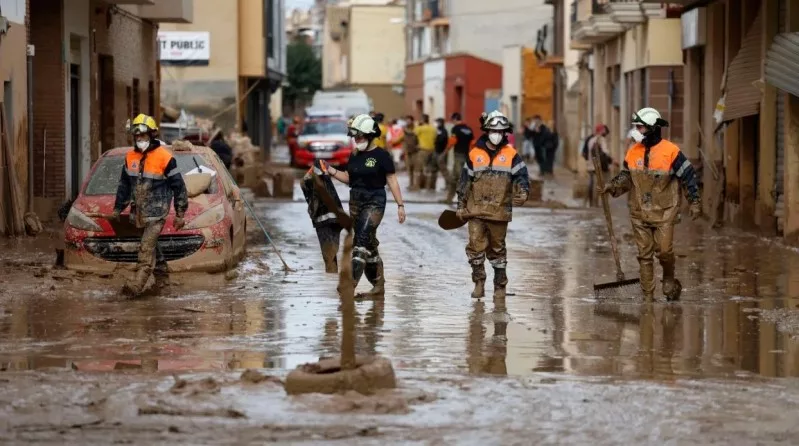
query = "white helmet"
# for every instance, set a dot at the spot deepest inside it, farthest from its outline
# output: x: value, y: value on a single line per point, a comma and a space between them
x: 362, y: 124
x: 496, y: 121
x: 649, y: 117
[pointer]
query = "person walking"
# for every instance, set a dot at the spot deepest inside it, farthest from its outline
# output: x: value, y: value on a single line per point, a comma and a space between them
x: 149, y: 183
x: 654, y: 173
x: 426, y: 134
x: 460, y: 141
x: 440, y: 158
x: 493, y: 181
x: 369, y: 170
x: 596, y: 145
x: 411, y: 146
x: 545, y: 144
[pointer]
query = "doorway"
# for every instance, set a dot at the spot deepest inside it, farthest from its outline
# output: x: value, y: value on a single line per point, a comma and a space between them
x: 74, y: 111
x: 107, y: 133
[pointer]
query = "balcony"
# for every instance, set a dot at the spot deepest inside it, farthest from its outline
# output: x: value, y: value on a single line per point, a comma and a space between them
x: 630, y: 12
x: 590, y: 23
x: 169, y: 11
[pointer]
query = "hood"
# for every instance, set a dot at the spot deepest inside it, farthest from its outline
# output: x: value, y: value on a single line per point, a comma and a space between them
x: 336, y: 138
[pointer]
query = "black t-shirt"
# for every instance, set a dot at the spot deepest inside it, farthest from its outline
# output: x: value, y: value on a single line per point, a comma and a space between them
x: 368, y: 169
x: 463, y: 138
x: 441, y: 139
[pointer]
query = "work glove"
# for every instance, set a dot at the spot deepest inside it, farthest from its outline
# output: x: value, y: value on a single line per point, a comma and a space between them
x: 695, y: 211
x: 519, y: 199
x: 115, y: 215
x: 461, y: 213
x: 179, y: 223
x: 606, y: 189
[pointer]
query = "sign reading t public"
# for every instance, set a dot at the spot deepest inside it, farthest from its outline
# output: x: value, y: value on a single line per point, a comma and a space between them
x: 184, y: 47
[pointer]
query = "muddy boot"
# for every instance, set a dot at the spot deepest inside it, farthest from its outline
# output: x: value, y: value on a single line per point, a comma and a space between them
x: 647, y: 272
x: 374, y: 274
x: 672, y: 288
x: 479, y: 289
x: 500, y: 282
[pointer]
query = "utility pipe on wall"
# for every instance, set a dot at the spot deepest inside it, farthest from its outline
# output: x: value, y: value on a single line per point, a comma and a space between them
x: 31, y: 52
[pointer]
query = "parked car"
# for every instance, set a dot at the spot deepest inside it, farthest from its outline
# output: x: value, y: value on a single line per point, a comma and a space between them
x: 213, y: 239
x: 324, y: 139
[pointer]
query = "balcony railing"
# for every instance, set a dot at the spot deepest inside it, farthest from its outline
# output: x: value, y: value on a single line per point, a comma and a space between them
x: 434, y: 9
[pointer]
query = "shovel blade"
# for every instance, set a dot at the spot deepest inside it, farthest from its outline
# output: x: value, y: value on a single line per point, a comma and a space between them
x: 616, y: 284
x: 449, y: 220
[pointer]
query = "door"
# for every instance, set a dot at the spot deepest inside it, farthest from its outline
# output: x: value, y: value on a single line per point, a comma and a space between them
x: 107, y: 127
x: 74, y: 112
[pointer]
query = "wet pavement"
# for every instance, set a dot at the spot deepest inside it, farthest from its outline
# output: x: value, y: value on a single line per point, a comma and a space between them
x: 551, y: 363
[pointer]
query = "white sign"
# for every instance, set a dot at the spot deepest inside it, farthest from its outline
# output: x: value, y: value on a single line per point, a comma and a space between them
x: 184, y: 46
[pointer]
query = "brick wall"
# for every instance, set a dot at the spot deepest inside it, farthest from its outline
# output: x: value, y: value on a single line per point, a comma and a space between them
x: 46, y: 33
x: 131, y: 44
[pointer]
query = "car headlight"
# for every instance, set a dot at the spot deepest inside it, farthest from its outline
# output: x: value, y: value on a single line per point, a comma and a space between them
x: 79, y: 220
x: 208, y: 218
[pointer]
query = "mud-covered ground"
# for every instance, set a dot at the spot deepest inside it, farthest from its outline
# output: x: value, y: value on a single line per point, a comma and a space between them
x: 553, y: 365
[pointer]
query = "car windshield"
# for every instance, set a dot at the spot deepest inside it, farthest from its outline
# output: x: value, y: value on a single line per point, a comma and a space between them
x: 325, y: 128
x: 105, y: 178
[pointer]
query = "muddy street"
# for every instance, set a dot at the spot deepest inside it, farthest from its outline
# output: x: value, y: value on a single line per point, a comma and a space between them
x: 552, y: 363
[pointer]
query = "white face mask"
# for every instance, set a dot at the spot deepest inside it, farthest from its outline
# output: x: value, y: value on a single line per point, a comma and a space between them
x: 142, y: 145
x: 636, y: 135
x: 495, y: 138
x: 360, y: 146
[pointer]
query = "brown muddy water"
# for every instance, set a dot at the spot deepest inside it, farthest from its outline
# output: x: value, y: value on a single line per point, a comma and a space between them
x: 550, y: 365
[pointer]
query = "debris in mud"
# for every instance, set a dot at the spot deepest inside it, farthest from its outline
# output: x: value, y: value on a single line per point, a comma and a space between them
x: 231, y: 275
x: 351, y: 401
x: 192, y: 310
x: 548, y: 381
x: 190, y: 388
x: 126, y: 366
x: 162, y: 407
x: 253, y: 376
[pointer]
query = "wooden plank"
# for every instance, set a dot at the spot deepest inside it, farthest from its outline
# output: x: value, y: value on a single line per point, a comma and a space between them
x: 791, y: 230
x: 17, y: 224
x: 767, y: 162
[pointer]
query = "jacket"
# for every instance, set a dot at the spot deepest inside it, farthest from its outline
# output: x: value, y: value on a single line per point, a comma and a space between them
x: 320, y: 214
x: 149, y: 182
x: 489, y: 180
x: 653, y: 175
x: 543, y: 138
x: 411, y: 141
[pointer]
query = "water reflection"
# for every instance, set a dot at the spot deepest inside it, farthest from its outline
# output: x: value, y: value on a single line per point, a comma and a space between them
x: 487, y: 355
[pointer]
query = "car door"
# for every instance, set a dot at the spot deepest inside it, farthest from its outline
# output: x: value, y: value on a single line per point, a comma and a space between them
x: 233, y: 195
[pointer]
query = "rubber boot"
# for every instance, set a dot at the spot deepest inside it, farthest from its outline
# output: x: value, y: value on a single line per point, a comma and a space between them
x: 479, y: 289
x: 140, y: 283
x: 500, y: 282
x: 672, y: 288
x: 647, y: 272
x: 374, y: 274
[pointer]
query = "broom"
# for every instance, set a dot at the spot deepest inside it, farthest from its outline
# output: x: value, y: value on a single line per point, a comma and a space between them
x: 621, y: 281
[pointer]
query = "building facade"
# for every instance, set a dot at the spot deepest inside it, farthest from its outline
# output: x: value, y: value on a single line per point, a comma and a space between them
x: 94, y: 64
x: 741, y: 63
x: 351, y: 59
x: 231, y: 73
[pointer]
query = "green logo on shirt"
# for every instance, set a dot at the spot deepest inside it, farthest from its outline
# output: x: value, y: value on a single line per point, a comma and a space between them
x: 371, y: 162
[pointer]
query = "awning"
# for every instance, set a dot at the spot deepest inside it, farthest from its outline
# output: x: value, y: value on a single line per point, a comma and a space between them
x: 782, y: 63
x: 743, y: 98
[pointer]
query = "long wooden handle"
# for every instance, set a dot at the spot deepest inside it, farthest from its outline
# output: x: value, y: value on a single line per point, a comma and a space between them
x: 606, y: 207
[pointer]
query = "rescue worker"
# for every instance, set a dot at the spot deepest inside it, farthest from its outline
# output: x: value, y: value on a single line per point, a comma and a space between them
x: 426, y: 134
x: 439, y: 163
x: 411, y: 144
x: 381, y: 141
x: 460, y: 140
x: 369, y: 170
x: 149, y: 183
x: 596, y: 144
x: 493, y: 180
x: 653, y: 171
x: 324, y: 220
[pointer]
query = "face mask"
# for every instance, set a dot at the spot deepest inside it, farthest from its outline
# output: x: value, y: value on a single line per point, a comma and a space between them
x: 361, y: 146
x: 636, y: 135
x: 495, y: 138
x: 142, y: 145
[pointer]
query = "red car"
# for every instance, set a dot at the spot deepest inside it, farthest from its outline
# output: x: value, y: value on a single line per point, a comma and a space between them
x: 213, y: 239
x: 324, y: 139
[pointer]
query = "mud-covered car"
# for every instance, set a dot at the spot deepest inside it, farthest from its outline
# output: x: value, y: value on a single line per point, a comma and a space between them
x: 212, y: 240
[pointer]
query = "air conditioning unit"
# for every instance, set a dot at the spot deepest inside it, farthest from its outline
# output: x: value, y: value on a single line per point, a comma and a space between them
x: 694, y: 28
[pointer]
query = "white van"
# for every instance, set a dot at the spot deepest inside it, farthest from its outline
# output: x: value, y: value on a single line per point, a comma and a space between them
x: 352, y: 102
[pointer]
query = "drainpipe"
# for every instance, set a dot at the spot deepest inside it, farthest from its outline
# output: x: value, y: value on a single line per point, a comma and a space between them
x: 31, y: 52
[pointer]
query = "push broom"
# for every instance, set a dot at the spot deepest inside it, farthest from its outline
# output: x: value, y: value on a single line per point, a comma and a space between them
x: 621, y: 282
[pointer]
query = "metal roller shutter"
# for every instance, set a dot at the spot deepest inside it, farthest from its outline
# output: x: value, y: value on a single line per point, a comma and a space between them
x: 743, y: 98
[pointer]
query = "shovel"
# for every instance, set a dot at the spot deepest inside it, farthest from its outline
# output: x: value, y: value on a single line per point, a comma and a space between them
x: 620, y: 279
x: 449, y: 220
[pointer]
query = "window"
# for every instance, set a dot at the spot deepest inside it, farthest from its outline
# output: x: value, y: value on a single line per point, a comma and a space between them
x: 136, y: 103
x: 151, y: 98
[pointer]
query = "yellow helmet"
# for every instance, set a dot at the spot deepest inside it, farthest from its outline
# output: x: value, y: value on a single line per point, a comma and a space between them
x: 142, y: 124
